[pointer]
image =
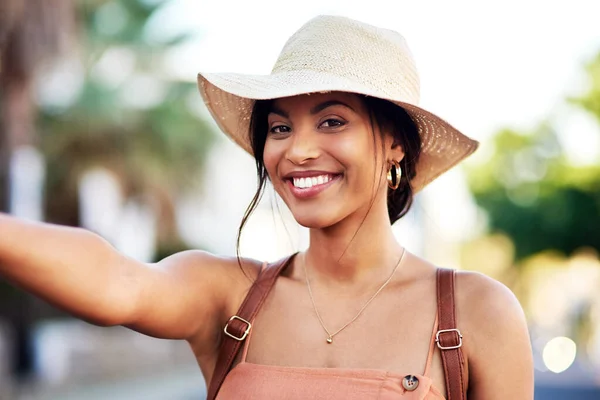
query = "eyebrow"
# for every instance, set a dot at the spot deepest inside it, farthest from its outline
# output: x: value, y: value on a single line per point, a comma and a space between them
x: 279, y: 111
x: 316, y: 109
x: 330, y: 103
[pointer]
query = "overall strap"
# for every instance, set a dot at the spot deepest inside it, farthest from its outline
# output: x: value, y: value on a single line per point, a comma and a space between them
x: 448, y: 337
x: 238, y: 326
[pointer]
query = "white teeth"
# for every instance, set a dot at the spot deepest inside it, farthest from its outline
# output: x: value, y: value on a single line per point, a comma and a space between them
x: 304, y: 183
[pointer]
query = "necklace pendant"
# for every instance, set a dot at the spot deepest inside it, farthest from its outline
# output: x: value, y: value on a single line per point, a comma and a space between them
x: 329, y: 340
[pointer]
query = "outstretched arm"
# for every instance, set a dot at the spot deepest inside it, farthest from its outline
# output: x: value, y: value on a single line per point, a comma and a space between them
x: 78, y: 271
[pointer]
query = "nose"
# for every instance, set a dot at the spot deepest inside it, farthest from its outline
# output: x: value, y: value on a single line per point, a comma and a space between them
x: 303, y: 146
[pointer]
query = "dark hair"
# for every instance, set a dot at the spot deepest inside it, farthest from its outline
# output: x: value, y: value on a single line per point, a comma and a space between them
x: 388, y: 116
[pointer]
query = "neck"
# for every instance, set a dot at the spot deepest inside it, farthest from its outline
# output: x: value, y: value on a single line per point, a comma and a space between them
x: 353, y: 250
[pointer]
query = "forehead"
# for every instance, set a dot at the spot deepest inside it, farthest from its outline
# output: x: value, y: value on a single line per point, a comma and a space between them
x: 308, y: 101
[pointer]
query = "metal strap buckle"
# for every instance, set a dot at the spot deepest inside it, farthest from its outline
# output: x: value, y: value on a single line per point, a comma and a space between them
x: 245, y: 332
x: 437, y: 339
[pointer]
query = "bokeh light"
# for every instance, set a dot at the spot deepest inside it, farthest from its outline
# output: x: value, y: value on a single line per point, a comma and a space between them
x: 559, y: 354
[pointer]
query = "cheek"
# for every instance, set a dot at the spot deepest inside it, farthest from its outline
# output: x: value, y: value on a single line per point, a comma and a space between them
x: 365, y: 165
x: 271, y: 157
x: 357, y: 153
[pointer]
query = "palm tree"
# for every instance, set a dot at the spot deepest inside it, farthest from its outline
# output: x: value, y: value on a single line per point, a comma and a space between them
x: 31, y: 34
x: 154, y: 140
x: 130, y: 117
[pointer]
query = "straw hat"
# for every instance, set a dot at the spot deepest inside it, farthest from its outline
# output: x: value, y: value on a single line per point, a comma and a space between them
x: 331, y: 53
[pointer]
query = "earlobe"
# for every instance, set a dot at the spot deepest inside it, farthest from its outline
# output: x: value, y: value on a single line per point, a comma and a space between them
x: 395, y: 146
x: 397, y: 152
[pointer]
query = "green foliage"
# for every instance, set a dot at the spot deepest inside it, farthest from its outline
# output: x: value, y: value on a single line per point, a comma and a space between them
x: 531, y: 193
x: 591, y: 100
x: 564, y: 218
x: 130, y: 115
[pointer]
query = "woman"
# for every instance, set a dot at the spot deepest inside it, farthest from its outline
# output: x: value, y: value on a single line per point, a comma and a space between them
x: 336, y: 130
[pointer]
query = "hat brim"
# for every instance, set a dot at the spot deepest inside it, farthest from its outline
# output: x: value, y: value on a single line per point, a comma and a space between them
x: 230, y: 98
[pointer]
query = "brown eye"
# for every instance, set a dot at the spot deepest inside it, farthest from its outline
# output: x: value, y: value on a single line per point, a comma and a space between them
x: 332, y: 123
x: 280, y: 129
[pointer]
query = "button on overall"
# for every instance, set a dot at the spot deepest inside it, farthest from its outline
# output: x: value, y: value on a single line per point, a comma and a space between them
x: 410, y: 382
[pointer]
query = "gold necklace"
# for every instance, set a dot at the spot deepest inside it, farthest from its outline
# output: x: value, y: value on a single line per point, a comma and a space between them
x: 331, y: 335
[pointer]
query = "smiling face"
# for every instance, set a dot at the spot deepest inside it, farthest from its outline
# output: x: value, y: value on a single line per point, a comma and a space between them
x: 325, y: 158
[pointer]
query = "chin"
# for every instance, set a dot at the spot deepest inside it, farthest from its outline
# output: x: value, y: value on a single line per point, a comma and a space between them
x: 313, y: 221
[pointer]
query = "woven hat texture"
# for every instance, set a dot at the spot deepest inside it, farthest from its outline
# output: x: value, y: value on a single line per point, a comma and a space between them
x: 331, y: 53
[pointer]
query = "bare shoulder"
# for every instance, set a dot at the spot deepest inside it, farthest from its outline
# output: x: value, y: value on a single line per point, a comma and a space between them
x: 484, y: 304
x: 495, y: 336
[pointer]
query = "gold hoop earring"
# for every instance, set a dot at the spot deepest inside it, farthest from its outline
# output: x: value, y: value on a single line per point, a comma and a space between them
x: 394, y: 174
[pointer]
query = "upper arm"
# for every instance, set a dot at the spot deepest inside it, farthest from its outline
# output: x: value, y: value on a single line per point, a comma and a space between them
x: 496, y: 344
x: 185, y: 295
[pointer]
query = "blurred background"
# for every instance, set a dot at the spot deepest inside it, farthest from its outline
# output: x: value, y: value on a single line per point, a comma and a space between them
x: 101, y: 126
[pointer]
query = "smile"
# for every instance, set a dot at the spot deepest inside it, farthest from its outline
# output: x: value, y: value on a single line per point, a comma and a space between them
x: 308, y: 182
x: 310, y: 186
